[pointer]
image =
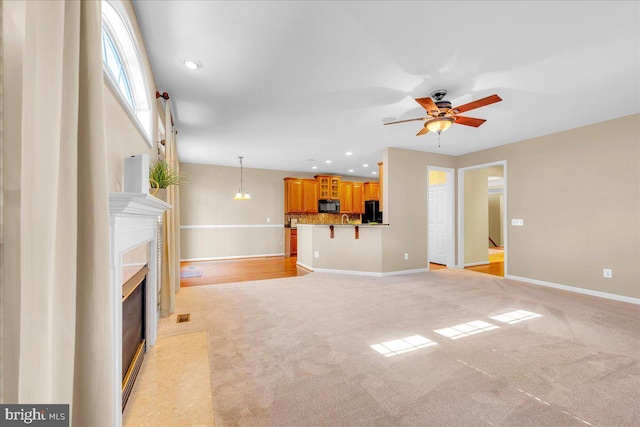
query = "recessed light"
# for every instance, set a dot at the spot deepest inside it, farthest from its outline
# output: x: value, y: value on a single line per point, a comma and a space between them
x: 350, y: 170
x: 365, y: 165
x: 374, y: 173
x: 327, y: 161
x: 314, y: 167
x: 192, y: 65
x: 348, y: 153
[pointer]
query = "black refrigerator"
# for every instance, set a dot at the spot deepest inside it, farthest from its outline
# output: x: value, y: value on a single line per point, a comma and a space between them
x: 372, y: 212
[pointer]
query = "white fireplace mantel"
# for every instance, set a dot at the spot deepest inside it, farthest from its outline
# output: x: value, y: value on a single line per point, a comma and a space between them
x: 134, y: 220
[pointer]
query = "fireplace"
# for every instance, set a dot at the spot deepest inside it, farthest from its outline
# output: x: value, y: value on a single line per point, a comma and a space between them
x: 134, y: 297
x: 135, y: 233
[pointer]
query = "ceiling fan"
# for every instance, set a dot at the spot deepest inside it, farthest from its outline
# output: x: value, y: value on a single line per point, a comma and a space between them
x: 440, y: 114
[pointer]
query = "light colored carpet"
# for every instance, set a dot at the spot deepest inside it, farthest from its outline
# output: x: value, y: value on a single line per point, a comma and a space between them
x: 297, y: 352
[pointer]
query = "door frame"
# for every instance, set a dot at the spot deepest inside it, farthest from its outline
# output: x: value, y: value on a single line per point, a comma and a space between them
x: 505, y: 237
x: 449, y: 186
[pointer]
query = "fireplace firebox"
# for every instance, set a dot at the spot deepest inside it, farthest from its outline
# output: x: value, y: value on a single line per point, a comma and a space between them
x: 133, y: 330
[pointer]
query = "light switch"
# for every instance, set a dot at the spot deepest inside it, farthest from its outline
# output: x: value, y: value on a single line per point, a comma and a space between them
x: 517, y: 222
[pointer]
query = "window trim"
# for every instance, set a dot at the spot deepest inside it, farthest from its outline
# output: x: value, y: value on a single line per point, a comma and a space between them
x: 113, y: 85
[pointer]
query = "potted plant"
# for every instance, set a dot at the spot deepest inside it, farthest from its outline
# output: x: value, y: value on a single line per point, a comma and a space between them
x: 161, y: 176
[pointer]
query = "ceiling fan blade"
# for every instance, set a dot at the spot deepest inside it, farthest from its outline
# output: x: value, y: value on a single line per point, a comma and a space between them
x: 423, y: 131
x: 476, y: 104
x: 404, y: 121
x: 429, y: 105
x: 469, y: 121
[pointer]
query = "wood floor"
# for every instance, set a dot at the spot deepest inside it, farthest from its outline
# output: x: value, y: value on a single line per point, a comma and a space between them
x: 238, y: 270
x: 495, y: 266
x: 249, y: 269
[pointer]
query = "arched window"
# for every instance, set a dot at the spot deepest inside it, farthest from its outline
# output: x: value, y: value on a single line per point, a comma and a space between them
x: 122, y: 66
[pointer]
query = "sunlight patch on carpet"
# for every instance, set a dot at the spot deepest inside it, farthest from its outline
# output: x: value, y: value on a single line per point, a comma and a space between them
x: 466, y: 329
x: 402, y: 345
x: 515, y: 316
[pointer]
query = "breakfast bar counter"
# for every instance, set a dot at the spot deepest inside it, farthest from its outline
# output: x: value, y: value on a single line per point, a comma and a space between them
x: 341, y: 248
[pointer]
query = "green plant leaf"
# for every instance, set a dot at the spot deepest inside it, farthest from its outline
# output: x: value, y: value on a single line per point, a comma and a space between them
x: 164, y: 175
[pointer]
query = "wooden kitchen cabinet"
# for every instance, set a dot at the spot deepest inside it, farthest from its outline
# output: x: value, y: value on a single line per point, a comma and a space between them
x: 371, y: 191
x: 300, y: 195
x: 294, y: 242
x: 309, y: 196
x: 358, y: 198
x: 292, y: 195
x: 290, y: 242
x: 351, y: 197
x: 346, y: 197
x: 328, y: 187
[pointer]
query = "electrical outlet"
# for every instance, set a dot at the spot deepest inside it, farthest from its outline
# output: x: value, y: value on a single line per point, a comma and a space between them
x: 316, y: 254
x: 268, y: 219
x: 607, y: 273
x: 406, y: 255
x: 517, y: 222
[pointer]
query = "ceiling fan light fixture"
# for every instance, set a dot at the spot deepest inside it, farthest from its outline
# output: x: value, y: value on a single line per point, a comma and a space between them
x: 439, y: 124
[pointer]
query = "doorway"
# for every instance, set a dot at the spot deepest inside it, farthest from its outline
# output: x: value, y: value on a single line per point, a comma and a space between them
x: 440, y: 218
x: 482, y: 201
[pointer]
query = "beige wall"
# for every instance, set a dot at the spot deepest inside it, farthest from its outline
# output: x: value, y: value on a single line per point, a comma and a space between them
x: 123, y: 137
x: 405, y: 194
x: 343, y: 251
x: 577, y: 219
x: 207, y: 200
x: 476, y: 218
x: 495, y: 218
x: 578, y: 193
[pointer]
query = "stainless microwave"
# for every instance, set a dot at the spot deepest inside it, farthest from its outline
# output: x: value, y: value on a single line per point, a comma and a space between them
x: 329, y: 206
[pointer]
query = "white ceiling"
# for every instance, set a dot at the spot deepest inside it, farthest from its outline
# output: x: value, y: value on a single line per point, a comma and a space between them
x: 286, y: 82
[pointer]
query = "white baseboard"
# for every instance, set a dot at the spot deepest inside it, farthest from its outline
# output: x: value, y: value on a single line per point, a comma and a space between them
x: 402, y: 272
x: 305, y: 266
x: 351, y: 272
x: 231, y: 257
x: 473, y: 264
x: 370, y: 273
x: 577, y: 290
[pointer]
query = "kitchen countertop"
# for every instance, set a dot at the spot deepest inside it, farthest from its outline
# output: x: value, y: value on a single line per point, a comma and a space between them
x: 348, y: 225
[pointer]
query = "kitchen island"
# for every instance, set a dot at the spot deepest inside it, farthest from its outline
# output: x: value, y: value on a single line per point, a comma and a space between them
x: 342, y: 248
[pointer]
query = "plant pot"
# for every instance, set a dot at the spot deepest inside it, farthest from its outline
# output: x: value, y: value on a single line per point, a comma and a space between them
x: 160, y: 193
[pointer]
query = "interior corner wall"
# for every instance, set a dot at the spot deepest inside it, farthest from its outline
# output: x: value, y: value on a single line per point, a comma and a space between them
x: 405, y: 194
x: 495, y: 218
x: 213, y: 225
x: 123, y: 137
x: 578, y: 192
x: 476, y: 218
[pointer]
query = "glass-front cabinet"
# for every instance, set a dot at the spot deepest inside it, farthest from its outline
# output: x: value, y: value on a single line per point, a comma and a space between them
x: 328, y: 187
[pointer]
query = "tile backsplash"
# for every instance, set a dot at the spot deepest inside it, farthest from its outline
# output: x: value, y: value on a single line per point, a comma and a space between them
x: 319, y: 218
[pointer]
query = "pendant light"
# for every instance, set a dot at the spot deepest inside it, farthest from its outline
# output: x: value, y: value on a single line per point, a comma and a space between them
x: 242, y: 194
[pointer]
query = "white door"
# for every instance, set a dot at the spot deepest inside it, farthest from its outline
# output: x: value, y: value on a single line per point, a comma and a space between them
x: 438, y: 226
